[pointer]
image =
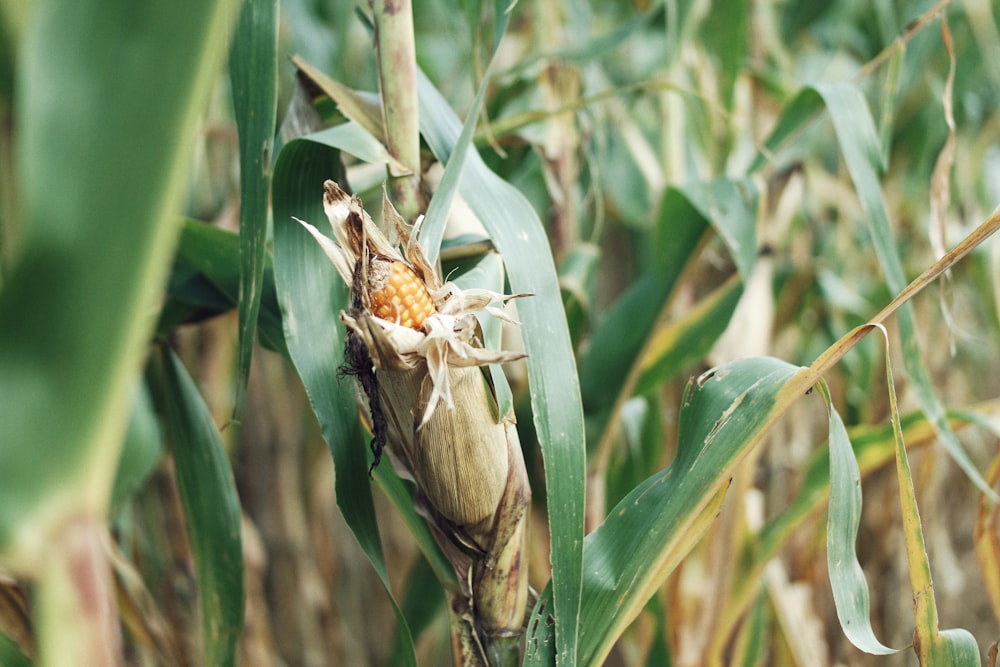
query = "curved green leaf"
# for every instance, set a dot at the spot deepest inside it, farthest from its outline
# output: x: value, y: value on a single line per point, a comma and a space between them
x: 847, y: 579
x: 141, y: 452
x: 862, y: 153
x: 555, y: 395
x: 312, y: 295
x: 211, y: 507
x: 725, y: 414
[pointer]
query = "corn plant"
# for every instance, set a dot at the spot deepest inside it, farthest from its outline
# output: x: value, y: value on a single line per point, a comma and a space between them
x: 597, y: 309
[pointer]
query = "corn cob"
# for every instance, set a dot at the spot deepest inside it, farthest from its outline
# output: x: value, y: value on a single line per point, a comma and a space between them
x: 397, y: 294
x: 414, y: 345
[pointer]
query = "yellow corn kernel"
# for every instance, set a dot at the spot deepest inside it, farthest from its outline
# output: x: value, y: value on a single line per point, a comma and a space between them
x: 403, y: 298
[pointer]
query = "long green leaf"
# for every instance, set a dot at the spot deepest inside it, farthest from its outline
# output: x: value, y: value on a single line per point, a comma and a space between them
x: 627, y: 341
x: 724, y: 415
x: 253, y: 70
x: 863, y: 155
x: 108, y: 98
x: 859, y: 144
x: 555, y: 395
x: 211, y: 507
x: 312, y: 295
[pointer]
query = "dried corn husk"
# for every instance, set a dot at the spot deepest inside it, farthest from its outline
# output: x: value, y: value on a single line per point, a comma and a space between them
x: 432, y: 403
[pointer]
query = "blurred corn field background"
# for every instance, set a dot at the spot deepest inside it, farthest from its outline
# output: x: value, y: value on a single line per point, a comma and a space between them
x: 710, y: 200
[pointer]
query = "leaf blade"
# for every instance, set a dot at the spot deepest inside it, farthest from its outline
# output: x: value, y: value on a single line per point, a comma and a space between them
x: 311, y: 295
x: 555, y: 394
x: 74, y: 308
x: 253, y: 70
x: 847, y: 579
x: 211, y: 507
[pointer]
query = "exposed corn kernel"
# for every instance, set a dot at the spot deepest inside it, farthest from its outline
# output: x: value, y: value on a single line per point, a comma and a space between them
x: 403, y: 298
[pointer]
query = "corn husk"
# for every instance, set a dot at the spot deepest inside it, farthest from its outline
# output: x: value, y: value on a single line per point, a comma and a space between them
x: 432, y: 405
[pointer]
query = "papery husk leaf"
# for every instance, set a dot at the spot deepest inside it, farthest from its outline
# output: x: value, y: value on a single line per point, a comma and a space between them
x: 501, y: 582
x: 459, y: 456
x: 432, y: 402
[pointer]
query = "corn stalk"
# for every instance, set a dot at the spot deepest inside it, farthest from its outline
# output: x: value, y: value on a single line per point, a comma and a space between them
x: 397, y: 80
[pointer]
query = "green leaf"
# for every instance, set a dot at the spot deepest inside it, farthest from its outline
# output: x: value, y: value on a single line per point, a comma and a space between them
x: 109, y: 96
x: 618, y: 340
x: 555, y: 396
x: 312, y: 295
x: 956, y: 647
x: 253, y: 70
x: 11, y: 655
x: 860, y: 147
x: 683, y: 342
x: 205, y: 282
x: 847, y: 579
x: 211, y: 506
x: 862, y: 152
x: 725, y: 413
x: 141, y: 452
